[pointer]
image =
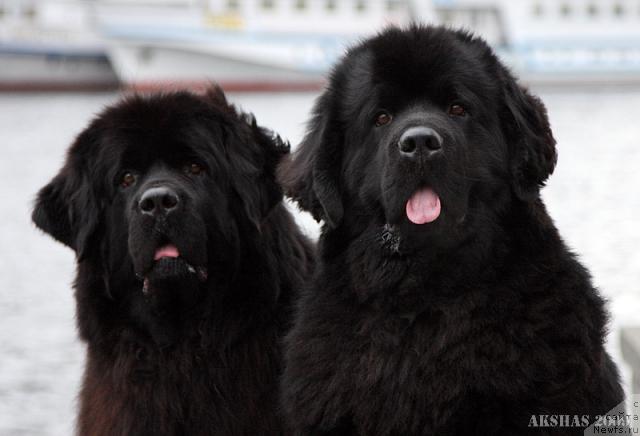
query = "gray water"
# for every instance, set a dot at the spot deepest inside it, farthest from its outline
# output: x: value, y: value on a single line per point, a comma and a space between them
x: 593, y: 197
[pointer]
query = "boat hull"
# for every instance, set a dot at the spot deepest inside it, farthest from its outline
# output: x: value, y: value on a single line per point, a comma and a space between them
x: 49, y: 70
x: 152, y: 67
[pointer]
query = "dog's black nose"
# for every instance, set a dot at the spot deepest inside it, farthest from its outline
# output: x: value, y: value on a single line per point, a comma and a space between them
x: 158, y: 200
x: 420, y: 138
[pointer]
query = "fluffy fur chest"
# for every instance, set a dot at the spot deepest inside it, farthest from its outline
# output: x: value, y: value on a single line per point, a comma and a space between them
x: 392, y: 370
x: 196, y: 391
x: 428, y: 367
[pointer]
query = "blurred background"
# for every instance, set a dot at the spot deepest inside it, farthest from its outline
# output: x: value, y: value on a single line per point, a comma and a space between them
x: 62, y: 61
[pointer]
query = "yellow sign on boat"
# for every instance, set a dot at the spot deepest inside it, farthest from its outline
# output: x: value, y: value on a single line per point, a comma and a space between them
x: 224, y: 21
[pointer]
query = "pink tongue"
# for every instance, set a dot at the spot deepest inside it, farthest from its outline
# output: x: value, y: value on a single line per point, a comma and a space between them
x: 423, y: 206
x: 166, y: 251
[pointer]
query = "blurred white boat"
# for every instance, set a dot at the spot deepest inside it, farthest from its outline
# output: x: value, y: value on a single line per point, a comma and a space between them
x: 49, y: 45
x: 291, y: 44
x: 244, y: 45
x: 564, y: 42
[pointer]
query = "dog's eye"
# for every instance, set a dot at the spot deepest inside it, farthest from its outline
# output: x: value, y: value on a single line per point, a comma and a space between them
x: 127, y: 180
x: 457, y: 110
x: 383, y: 118
x: 194, y: 169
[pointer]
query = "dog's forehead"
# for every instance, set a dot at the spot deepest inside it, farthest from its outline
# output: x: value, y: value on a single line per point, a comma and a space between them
x: 421, y: 64
x: 148, y: 146
x: 160, y: 124
x: 139, y: 148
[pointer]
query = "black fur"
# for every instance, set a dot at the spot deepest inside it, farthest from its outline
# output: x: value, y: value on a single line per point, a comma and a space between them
x: 198, y: 351
x: 467, y: 325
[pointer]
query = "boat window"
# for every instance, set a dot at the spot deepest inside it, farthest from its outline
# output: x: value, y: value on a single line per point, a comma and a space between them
x: 233, y: 5
x: 446, y: 16
x: 268, y: 4
x: 618, y: 10
x: 145, y: 54
x: 361, y: 6
x: 592, y: 10
x: 301, y: 5
x: 393, y: 5
x: 538, y: 10
x: 29, y: 12
x: 330, y: 5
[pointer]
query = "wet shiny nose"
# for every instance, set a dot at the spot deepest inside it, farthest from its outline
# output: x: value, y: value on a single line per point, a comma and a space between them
x: 159, y: 200
x: 420, y: 139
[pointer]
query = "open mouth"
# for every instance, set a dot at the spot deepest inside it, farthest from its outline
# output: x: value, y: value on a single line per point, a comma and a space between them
x: 169, y: 263
x: 423, y: 207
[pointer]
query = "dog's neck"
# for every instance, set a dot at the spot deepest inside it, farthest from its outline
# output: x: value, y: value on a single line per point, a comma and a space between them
x: 380, y: 269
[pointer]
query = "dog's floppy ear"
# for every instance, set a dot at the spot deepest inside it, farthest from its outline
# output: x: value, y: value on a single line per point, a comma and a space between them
x: 310, y: 176
x: 532, y: 147
x: 52, y: 210
x: 66, y: 208
x: 274, y: 148
x: 258, y: 151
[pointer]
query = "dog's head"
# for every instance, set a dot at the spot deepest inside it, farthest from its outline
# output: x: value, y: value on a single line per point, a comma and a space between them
x: 424, y: 130
x: 159, y: 193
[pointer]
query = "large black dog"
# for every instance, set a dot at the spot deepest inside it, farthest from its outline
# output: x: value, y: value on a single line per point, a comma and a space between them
x: 444, y: 302
x: 188, y: 263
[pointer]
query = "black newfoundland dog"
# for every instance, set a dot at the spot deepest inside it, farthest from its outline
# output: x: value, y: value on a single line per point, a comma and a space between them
x: 188, y: 263
x: 444, y: 302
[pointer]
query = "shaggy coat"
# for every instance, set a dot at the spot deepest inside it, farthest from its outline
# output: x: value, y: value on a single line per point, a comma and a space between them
x: 467, y: 323
x: 188, y: 263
